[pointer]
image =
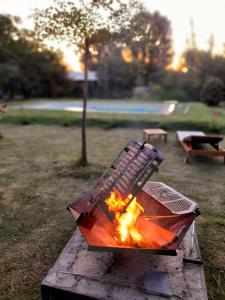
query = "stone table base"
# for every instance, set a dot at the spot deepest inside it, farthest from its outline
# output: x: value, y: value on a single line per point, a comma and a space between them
x: 81, y: 274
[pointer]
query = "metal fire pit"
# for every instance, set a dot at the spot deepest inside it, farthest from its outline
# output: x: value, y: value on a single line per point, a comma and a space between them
x: 167, y: 214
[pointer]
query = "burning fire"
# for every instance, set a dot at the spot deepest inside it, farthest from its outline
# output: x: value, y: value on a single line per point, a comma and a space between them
x: 125, y: 231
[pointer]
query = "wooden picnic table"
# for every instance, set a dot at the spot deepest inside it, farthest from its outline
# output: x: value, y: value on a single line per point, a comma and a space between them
x: 147, y: 133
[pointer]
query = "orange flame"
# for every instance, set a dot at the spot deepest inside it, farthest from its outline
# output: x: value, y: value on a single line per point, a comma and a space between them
x: 125, y: 231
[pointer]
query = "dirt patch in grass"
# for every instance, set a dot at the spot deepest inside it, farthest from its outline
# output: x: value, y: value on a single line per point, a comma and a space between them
x: 39, y: 178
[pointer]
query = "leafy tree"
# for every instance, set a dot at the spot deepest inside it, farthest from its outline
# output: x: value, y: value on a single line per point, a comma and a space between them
x: 82, y: 23
x: 211, y: 44
x: 116, y: 77
x: 27, y: 66
x: 219, y: 67
x: 134, y: 55
x: 9, y: 70
x: 200, y: 65
x: 42, y: 72
x: 9, y: 77
x: 150, y: 42
x: 8, y: 35
x: 213, y: 91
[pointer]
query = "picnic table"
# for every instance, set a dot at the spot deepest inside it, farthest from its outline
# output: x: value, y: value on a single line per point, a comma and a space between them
x: 147, y: 133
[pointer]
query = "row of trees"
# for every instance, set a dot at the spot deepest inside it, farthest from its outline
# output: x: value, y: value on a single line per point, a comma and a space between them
x: 140, y: 56
x: 135, y: 55
x: 131, y: 57
x: 201, y: 77
x: 27, y: 67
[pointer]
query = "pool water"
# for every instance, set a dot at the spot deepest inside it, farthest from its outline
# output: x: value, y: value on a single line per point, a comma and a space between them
x: 98, y: 106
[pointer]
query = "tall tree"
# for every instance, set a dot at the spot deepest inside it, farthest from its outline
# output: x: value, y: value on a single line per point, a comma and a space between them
x: 26, y: 65
x: 211, y: 44
x: 150, y: 42
x: 8, y: 35
x: 9, y: 70
x: 140, y: 52
x: 82, y: 23
x: 41, y: 68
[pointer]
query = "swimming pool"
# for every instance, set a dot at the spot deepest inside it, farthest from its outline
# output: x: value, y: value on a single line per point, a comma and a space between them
x: 100, y: 106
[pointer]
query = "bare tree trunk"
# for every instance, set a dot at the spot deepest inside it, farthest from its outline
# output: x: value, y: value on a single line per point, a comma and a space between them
x: 11, y: 93
x: 85, y: 98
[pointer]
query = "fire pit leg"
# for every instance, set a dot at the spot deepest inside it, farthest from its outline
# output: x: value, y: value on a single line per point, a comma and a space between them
x: 187, y: 159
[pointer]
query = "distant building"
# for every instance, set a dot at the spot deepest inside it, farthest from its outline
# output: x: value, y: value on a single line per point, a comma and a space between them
x: 78, y: 79
x: 79, y: 76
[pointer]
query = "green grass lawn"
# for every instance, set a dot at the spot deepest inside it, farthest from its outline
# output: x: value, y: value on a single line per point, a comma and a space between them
x: 198, y: 117
x: 39, y: 179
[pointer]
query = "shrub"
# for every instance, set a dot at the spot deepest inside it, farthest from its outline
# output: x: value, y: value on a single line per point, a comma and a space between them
x: 174, y: 94
x: 213, y: 91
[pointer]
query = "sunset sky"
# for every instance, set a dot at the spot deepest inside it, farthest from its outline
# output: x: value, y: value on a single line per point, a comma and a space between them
x: 208, y: 17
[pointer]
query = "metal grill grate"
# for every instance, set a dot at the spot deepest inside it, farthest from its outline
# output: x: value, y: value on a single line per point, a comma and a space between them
x: 170, y: 198
x: 128, y: 172
x: 126, y: 175
x: 130, y: 168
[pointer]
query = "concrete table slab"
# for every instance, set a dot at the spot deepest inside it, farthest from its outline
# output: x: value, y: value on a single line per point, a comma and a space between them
x: 81, y: 274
